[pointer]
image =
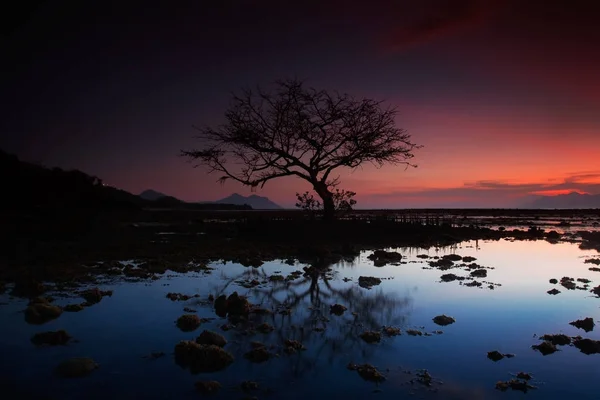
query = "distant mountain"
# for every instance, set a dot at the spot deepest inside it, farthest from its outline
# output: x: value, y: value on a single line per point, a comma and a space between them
x: 570, y: 200
x: 254, y: 201
x: 151, y: 195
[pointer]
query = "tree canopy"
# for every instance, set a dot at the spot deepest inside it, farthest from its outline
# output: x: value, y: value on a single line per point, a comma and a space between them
x: 295, y: 130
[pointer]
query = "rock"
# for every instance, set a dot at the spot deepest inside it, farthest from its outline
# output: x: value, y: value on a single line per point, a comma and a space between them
x: 40, y: 313
x: 495, y: 355
x: 73, y: 308
x: 514, y: 384
x: 587, y: 346
x: 553, y: 292
x: 155, y: 355
x: 583, y: 280
x: 51, y: 338
x: 382, y: 257
x: 391, y: 331
x: 479, y: 273
x: 188, y: 322
x: 451, y: 277
x: 593, y: 261
x: 177, y: 296
x: 568, y: 283
x: 524, y: 376
x: 443, y: 320
x: 468, y: 259
x: 76, y: 367
x: 234, y: 305
x: 210, y: 337
x: 424, y: 378
x: 371, y: 336
x: 452, y: 257
x: 265, y: 328
x: 367, y: 372
x: 368, y: 282
x: 207, y: 387
x: 596, y: 290
x: 292, y: 346
x: 201, y: 357
x: 545, y: 348
x: 221, y: 306
x: 594, y: 269
x: 553, y: 281
x: 557, y: 340
x: 248, y: 386
x: 586, y: 324
x: 40, y: 300
x: 258, y: 355
x: 276, y: 278
x: 414, y: 332
x: 337, y: 309
x: 93, y: 296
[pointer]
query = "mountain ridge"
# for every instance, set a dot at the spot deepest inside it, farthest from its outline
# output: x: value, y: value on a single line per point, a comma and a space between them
x: 254, y: 201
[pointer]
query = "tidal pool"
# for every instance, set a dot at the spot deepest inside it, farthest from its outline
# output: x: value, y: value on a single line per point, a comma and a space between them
x: 507, y: 313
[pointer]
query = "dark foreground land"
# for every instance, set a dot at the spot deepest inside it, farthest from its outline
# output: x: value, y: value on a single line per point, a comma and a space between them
x: 49, y: 244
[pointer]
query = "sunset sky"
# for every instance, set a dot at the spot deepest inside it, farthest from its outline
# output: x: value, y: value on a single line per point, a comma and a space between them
x: 503, y: 95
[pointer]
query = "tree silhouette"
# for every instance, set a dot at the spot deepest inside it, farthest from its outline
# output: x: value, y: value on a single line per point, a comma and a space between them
x: 309, y: 298
x: 302, y: 132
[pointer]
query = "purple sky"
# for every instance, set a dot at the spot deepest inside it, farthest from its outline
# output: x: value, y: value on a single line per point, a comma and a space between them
x: 504, y: 95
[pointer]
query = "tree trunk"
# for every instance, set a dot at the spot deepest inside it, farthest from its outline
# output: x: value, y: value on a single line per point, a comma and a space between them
x: 327, y: 197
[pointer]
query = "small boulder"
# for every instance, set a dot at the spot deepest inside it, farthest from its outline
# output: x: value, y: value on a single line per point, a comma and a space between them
x: 40, y: 313
x: 258, y: 354
x: 553, y: 281
x: 337, y: 309
x: 514, y: 384
x: 210, y: 337
x: 188, y: 322
x: 382, y: 257
x: 545, y: 348
x: 557, y: 340
x: 367, y: 372
x: 587, y: 346
x: 368, y: 282
x: 524, y: 375
x: 553, y: 292
x: 221, y: 306
x: 93, y: 296
x: 76, y: 367
x: 51, y: 338
x: 371, y: 336
x: 391, y: 331
x: 248, y: 386
x: 479, y: 273
x: 587, y: 324
x: 443, y: 320
x: 495, y: 355
x: 201, y: 357
x: 73, y: 308
x: 207, y: 387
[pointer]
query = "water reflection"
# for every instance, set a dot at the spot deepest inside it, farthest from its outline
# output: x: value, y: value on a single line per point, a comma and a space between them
x: 300, y: 310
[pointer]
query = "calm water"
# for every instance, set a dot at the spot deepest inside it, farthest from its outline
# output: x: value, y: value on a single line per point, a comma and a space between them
x: 138, y: 319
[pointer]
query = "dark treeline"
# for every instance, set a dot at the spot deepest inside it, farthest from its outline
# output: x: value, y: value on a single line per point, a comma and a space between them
x: 27, y: 186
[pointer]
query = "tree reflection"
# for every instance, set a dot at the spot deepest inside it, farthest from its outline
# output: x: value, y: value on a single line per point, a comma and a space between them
x: 300, y: 309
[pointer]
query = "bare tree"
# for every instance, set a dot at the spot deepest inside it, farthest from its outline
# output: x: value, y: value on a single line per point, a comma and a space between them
x: 303, y: 132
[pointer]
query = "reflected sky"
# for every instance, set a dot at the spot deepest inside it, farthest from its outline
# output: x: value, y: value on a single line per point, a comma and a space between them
x: 138, y: 320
